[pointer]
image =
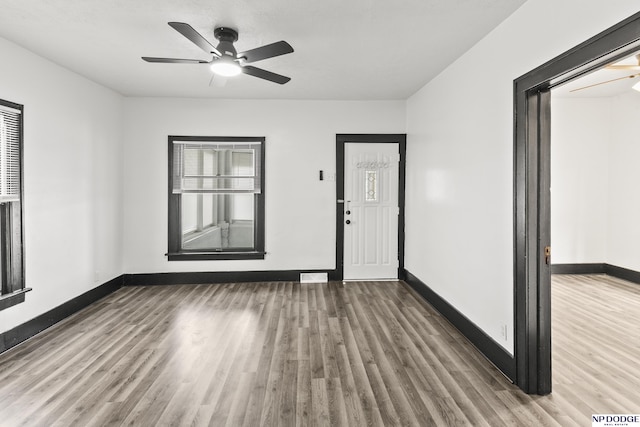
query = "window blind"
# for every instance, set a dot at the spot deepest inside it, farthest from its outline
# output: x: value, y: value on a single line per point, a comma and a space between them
x: 9, y: 154
x: 216, y: 167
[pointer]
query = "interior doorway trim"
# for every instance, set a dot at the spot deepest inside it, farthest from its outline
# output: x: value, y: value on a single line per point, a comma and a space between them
x: 341, y: 140
x: 532, y: 134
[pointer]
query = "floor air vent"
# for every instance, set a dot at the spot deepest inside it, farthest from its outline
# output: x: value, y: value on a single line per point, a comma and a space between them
x: 314, y: 277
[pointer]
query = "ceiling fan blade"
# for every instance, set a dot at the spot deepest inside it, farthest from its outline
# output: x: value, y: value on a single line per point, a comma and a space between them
x: 264, y: 74
x: 605, y: 82
x: 623, y: 67
x: 195, y: 37
x: 634, y: 67
x: 217, y: 80
x: 174, y: 60
x: 267, y: 51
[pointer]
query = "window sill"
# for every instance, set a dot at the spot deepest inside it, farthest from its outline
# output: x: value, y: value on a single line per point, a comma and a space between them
x: 204, y: 256
x: 14, y: 298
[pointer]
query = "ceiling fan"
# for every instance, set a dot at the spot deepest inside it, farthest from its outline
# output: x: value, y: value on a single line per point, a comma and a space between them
x: 630, y: 67
x: 226, y: 61
x: 634, y: 67
x: 632, y: 76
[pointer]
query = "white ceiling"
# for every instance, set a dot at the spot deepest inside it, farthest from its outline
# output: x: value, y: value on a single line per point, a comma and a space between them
x: 344, y: 49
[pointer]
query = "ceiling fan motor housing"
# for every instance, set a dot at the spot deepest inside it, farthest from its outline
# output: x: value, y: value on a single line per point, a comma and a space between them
x: 226, y: 36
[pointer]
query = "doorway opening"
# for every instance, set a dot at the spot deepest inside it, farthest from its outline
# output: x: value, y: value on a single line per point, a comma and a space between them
x: 532, y: 250
x: 376, y: 171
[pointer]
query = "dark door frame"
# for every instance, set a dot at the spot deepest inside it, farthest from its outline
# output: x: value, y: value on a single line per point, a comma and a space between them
x: 341, y: 140
x: 532, y: 130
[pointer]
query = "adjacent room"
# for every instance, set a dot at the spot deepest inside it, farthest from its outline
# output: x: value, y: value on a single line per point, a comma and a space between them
x: 276, y: 213
x: 594, y: 229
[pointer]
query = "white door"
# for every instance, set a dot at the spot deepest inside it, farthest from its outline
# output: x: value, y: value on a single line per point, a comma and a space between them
x: 371, y: 175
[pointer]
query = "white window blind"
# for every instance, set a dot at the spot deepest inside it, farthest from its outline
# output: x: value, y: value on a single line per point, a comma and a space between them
x: 9, y: 154
x: 216, y: 167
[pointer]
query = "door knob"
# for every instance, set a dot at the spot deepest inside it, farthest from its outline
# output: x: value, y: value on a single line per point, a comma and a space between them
x: 348, y: 221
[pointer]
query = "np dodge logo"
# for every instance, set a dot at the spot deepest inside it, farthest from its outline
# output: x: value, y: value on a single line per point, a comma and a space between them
x: 615, y: 420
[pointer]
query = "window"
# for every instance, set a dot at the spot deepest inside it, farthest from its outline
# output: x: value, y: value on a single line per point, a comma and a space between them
x: 216, y: 198
x: 12, y: 288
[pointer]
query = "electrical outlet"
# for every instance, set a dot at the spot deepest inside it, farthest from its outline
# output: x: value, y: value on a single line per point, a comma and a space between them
x: 503, y: 332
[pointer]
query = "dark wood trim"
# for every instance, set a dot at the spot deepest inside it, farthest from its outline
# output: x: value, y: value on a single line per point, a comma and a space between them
x: 493, y: 351
x: 174, y: 209
x: 590, y: 268
x: 622, y: 273
x: 339, y: 270
x: 14, y: 298
x: 543, y: 226
x: 531, y: 293
x: 238, y: 139
x: 174, y: 206
x: 341, y: 140
x: 260, y: 203
x: 222, y: 255
x: 13, y: 105
x: 25, y: 331
x: 401, y: 205
x: 12, y: 279
x: 597, y: 268
x: 205, y: 277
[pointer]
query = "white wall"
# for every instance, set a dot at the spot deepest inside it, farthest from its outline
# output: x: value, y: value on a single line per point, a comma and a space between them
x: 460, y: 157
x: 300, y: 141
x: 623, y: 225
x: 72, y: 181
x: 580, y: 141
x: 594, y: 182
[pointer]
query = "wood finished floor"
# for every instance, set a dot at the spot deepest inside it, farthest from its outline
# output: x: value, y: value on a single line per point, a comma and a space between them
x: 312, y: 354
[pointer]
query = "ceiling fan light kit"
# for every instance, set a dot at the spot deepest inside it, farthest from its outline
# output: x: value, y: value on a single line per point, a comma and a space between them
x: 225, y: 60
x: 226, y: 67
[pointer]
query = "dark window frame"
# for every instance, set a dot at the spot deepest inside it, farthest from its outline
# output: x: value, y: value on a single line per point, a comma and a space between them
x: 12, y: 280
x: 176, y: 252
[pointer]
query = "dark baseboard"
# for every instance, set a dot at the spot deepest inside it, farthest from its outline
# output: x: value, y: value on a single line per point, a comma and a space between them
x: 14, y: 298
x: 493, y: 351
x: 622, y: 273
x: 20, y: 333
x: 189, y: 278
x: 28, y: 329
x: 598, y: 268
x: 593, y: 268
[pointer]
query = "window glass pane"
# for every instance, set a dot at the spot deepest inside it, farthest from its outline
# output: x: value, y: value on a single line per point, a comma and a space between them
x: 215, y: 169
x: 217, y: 221
x: 189, y: 213
x: 191, y: 161
x: 371, y: 185
x: 213, y: 185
